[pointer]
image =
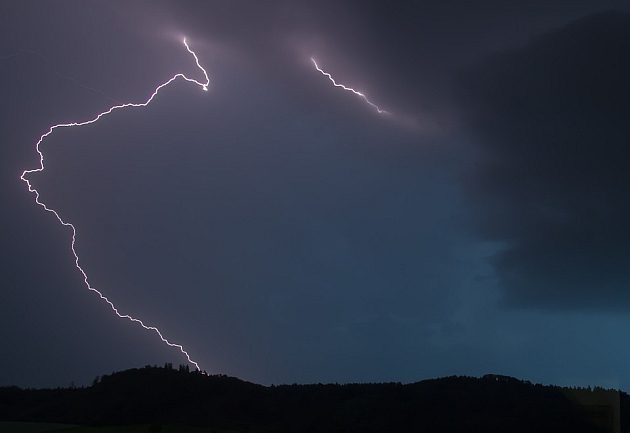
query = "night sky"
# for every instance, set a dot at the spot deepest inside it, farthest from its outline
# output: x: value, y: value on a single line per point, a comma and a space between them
x: 282, y: 230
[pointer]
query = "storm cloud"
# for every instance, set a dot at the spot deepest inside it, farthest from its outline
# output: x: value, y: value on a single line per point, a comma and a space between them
x: 279, y: 228
x: 552, y: 185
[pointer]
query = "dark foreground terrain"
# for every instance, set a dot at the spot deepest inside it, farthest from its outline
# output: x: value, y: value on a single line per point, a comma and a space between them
x: 155, y: 399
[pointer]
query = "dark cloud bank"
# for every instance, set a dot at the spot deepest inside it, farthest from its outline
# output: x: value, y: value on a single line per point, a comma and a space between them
x: 552, y: 182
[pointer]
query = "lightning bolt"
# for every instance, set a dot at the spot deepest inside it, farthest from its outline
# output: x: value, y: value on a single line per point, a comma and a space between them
x: 65, y: 223
x: 349, y: 89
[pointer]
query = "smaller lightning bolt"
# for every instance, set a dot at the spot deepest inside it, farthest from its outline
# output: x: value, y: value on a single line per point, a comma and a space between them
x: 349, y: 89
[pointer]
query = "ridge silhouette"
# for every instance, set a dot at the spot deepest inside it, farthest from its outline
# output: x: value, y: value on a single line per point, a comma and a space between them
x: 168, y: 396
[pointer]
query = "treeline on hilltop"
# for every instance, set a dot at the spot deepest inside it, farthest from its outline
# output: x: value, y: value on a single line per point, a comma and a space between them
x: 165, y: 395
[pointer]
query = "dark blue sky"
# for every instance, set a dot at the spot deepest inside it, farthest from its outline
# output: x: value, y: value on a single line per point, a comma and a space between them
x: 284, y: 232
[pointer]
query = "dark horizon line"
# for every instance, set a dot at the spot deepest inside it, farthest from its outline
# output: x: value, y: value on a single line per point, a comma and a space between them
x: 185, y: 369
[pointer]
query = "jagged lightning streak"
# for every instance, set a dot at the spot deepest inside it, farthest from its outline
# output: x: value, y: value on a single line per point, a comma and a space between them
x: 349, y: 89
x: 24, y: 177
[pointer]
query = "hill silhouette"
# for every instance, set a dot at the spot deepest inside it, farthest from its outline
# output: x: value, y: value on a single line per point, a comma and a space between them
x: 164, y: 395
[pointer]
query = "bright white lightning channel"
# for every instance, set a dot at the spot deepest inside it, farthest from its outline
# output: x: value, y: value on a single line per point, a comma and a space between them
x: 24, y: 177
x: 349, y: 89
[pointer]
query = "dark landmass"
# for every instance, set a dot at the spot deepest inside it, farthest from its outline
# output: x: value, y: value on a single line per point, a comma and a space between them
x: 159, y: 396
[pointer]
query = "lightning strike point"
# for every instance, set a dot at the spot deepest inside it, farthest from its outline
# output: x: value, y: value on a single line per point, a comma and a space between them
x: 69, y: 225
